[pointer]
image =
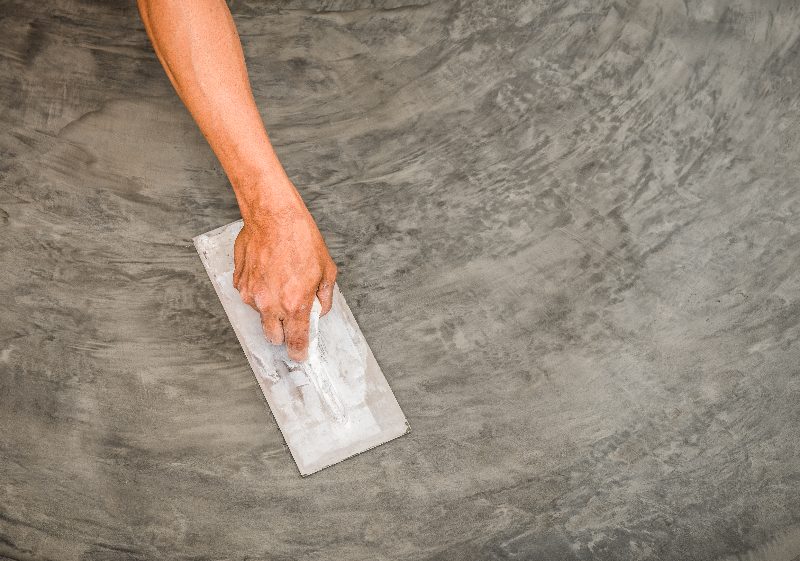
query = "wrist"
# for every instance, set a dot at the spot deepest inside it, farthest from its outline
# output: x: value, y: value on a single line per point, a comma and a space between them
x: 264, y: 197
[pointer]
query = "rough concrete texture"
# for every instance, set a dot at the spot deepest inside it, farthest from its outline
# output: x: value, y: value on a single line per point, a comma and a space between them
x: 568, y: 229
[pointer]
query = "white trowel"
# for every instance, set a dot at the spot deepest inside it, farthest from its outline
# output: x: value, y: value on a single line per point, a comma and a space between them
x: 333, y: 405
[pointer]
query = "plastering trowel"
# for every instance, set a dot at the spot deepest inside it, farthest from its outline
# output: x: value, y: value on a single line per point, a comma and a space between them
x: 333, y: 405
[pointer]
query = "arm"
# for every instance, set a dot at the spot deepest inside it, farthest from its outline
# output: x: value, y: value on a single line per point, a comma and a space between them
x: 281, y: 261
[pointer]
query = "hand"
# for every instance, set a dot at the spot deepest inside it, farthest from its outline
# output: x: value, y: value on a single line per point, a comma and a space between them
x: 281, y: 263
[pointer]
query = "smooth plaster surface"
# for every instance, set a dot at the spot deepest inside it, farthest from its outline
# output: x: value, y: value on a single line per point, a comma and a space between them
x: 568, y: 229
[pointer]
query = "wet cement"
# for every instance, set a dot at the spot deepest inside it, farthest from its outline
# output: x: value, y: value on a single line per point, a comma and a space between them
x: 569, y: 231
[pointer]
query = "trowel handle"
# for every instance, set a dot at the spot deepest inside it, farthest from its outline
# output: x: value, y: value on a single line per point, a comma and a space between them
x: 313, y: 323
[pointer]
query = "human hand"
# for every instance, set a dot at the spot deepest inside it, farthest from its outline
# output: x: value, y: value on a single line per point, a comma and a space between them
x: 281, y: 263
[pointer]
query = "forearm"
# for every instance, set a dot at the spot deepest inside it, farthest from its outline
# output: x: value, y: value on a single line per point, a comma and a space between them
x: 199, y: 47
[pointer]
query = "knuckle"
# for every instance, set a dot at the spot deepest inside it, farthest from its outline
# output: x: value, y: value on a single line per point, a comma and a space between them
x: 246, y: 296
x: 262, y: 303
x: 294, y: 308
x: 261, y: 296
x: 295, y: 305
x: 330, y: 272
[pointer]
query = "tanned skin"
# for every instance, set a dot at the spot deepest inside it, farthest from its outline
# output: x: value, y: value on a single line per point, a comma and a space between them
x: 281, y: 260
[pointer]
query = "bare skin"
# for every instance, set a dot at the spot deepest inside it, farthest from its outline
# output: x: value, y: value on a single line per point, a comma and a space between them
x: 281, y: 260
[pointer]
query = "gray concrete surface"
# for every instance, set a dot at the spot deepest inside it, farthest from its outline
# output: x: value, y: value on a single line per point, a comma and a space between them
x: 568, y: 229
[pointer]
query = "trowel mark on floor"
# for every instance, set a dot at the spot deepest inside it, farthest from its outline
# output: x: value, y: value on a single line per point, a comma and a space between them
x: 783, y: 547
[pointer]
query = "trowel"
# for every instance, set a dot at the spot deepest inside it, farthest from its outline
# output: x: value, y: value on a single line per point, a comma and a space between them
x: 329, y: 407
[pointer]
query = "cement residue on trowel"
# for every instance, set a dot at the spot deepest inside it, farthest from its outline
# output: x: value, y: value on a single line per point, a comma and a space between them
x: 331, y: 406
x: 317, y: 367
x: 315, y: 370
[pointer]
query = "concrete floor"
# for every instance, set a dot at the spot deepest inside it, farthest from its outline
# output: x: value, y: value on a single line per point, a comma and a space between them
x: 568, y: 229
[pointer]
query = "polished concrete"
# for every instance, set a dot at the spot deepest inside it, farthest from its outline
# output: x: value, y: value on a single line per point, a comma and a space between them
x: 568, y: 229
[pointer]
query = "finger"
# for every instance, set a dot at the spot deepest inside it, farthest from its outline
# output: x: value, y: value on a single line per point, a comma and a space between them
x: 325, y: 291
x: 238, y: 261
x: 273, y: 328
x: 245, y: 294
x: 295, y: 331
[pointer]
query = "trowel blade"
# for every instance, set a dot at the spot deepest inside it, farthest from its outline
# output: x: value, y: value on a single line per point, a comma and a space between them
x: 334, y: 405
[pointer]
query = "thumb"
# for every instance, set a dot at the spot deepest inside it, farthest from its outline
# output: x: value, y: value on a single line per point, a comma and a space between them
x: 325, y: 290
